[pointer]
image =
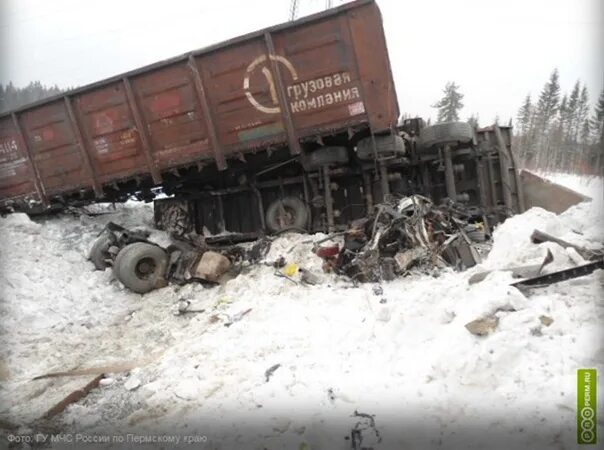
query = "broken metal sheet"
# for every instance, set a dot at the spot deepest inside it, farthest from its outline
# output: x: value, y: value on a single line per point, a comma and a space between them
x: 270, y: 371
x: 561, y: 275
x: 407, y: 258
x: 528, y: 271
x: 73, y: 397
x: 538, y: 237
x: 546, y: 194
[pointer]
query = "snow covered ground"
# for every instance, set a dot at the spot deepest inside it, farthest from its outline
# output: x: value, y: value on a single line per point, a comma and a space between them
x: 398, y: 351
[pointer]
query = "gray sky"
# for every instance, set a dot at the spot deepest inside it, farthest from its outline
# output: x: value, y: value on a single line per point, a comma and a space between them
x: 497, y: 51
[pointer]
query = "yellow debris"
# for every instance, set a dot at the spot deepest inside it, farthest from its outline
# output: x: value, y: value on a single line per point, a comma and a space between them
x: 290, y: 270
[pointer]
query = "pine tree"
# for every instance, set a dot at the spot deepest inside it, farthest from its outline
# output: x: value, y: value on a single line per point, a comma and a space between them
x: 12, y: 97
x: 582, y: 113
x: 473, y: 120
x: 546, y: 111
x: 597, y: 121
x: 585, y: 131
x: 450, y: 105
x: 548, y: 104
x: 526, y: 122
x: 571, y: 113
x: 525, y: 116
x: 560, y: 157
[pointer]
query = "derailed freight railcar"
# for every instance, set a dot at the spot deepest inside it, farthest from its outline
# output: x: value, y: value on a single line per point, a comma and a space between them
x: 291, y: 126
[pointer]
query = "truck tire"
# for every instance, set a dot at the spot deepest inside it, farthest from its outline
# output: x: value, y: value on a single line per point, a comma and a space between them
x: 99, y: 252
x: 140, y: 266
x: 446, y: 133
x: 385, y: 147
x: 286, y: 213
x: 325, y: 156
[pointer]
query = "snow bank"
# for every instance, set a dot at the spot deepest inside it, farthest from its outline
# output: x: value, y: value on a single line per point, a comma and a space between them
x: 399, y: 351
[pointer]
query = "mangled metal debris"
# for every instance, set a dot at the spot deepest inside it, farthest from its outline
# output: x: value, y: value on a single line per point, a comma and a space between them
x: 531, y: 275
x: 142, y: 265
x: 413, y: 233
x: 526, y: 271
x: 538, y: 237
x: 560, y: 275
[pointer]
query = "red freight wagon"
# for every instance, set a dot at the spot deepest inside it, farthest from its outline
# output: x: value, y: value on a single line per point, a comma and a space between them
x: 291, y: 126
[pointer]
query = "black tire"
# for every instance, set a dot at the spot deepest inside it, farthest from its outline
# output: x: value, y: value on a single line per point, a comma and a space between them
x: 99, y: 252
x: 385, y: 147
x: 287, y: 213
x: 325, y: 156
x: 452, y: 133
x: 140, y: 266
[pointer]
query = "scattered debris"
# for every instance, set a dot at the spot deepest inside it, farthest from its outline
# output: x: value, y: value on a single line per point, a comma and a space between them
x: 545, y: 320
x: 308, y: 277
x: 270, y: 371
x: 282, y: 275
x: 212, y: 266
x: 538, y: 237
x: 290, y: 269
x: 364, y: 435
x: 527, y: 271
x: 482, y: 327
x: 237, y: 317
x: 407, y: 258
x: 110, y: 368
x: 395, y: 238
x: 183, y: 308
x: 75, y: 396
x: 331, y: 394
x: 327, y: 252
x: 561, y: 275
x: 279, y: 263
x: 414, y: 232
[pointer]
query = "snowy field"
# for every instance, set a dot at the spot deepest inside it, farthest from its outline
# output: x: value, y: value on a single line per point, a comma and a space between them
x: 398, y: 351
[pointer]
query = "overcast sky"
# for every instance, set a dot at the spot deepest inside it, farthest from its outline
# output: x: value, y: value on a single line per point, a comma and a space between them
x: 496, y: 50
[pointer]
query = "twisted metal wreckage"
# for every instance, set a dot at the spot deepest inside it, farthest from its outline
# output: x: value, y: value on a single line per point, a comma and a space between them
x: 412, y: 234
x: 296, y: 125
x: 387, y: 243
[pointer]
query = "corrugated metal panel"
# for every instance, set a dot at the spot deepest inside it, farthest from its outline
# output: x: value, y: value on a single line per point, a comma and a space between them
x: 321, y: 74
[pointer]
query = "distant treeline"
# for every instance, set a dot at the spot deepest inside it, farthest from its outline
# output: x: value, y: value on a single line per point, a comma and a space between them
x: 12, y: 97
x: 561, y: 133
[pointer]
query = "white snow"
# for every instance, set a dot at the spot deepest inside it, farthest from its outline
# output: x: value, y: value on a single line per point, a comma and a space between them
x: 402, y: 355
